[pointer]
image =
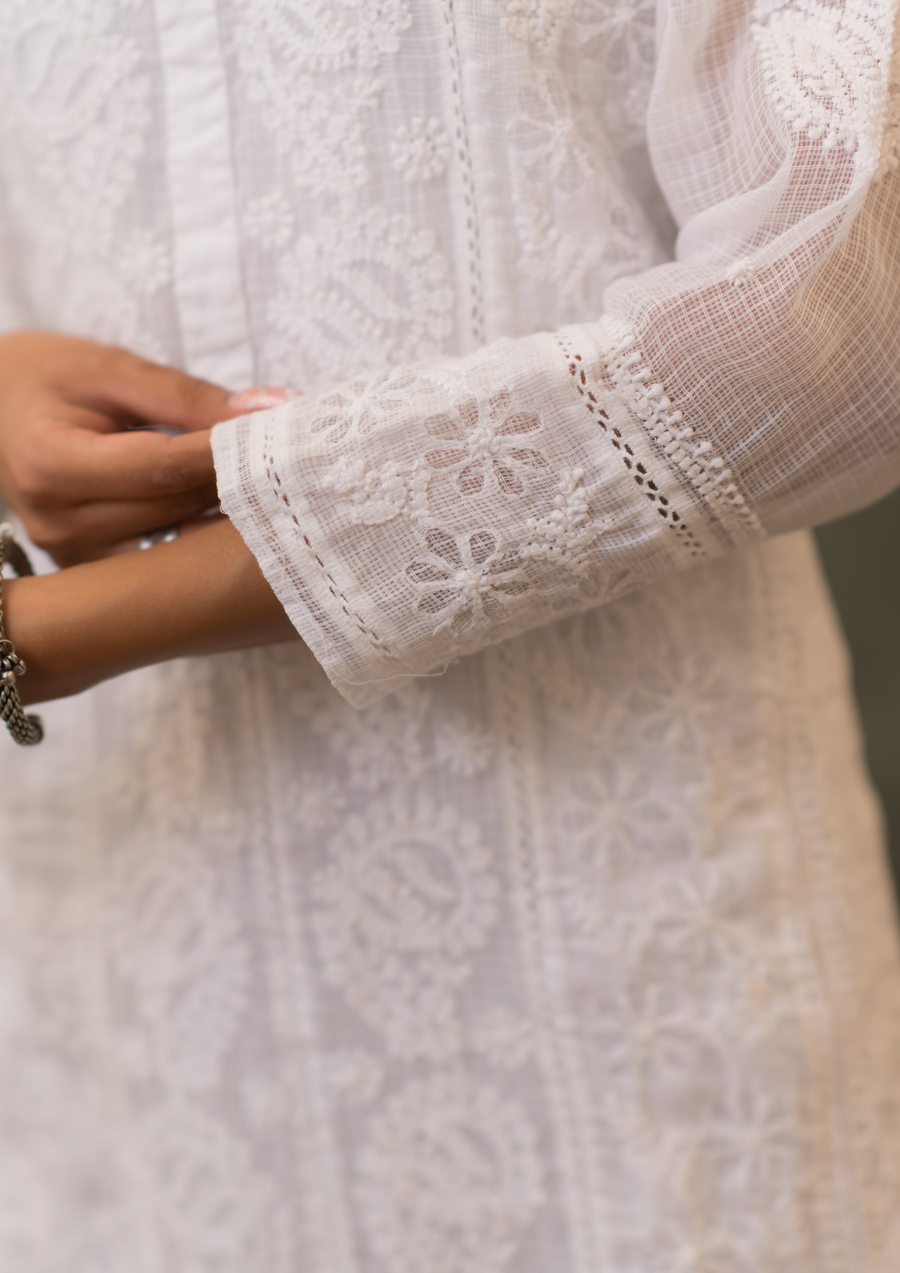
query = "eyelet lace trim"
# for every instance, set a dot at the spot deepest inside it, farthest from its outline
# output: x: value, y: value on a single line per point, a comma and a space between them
x: 698, y: 462
x: 464, y: 155
x: 592, y: 393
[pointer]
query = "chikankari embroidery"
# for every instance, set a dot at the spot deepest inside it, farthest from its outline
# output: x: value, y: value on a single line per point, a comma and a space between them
x: 697, y: 461
x: 566, y: 535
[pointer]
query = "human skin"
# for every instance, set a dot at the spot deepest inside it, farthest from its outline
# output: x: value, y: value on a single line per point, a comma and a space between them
x: 202, y: 594
x: 86, y: 483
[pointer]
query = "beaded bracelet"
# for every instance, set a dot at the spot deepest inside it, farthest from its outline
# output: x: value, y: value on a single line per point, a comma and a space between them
x: 26, y: 730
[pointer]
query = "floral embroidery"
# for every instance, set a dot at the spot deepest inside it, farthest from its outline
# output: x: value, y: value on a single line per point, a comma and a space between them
x: 421, y: 151
x: 488, y: 447
x: 621, y: 36
x: 609, y: 816
x: 567, y: 534
x: 552, y: 256
x: 544, y: 138
x: 168, y: 907
x: 464, y: 582
x: 536, y: 22
x: 399, y: 748
x: 380, y: 495
x: 405, y: 898
x: 200, y: 1170
x: 449, y: 1178
x: 741, y: 272
x: 281, y: 43
x: 317, y: 804
x: 359, y: 408
x: 145, y: 262
x: 464, y: 751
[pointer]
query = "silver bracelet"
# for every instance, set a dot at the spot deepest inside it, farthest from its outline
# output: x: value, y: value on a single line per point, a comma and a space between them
x: 165, y: 535
x: 26, y: 730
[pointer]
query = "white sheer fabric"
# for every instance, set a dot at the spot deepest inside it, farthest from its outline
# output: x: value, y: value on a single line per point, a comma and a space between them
x: 580, y: 957
x: 749, y: 386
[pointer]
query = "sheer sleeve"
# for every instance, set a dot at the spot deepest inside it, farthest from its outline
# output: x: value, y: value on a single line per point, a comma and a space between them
x: 749, y: 387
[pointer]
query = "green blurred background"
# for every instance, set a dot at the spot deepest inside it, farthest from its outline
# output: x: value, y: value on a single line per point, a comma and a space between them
x: 861, y: 554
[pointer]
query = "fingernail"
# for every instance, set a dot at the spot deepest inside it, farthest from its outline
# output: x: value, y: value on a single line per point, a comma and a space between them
x: 260, y: 397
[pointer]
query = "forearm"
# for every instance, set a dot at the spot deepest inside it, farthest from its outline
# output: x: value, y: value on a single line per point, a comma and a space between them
x: 202, y: 594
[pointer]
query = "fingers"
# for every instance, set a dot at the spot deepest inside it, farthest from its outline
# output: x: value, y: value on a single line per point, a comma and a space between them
x: 83, y: 466
x: 110, y: 380
x: 71, y: 464
x: 82, y: 454
x: 115, y: 378
x: 90, y: 531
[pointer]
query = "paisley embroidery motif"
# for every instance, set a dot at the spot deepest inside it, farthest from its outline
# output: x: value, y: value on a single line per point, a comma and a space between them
x: 449, y: 1178
x: 405, y: 899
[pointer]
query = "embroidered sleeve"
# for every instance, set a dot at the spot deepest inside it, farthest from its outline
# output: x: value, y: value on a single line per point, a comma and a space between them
x: 749, y: 387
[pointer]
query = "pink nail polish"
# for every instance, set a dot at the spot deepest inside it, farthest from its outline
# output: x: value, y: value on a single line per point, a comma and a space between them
x: 260, y: 397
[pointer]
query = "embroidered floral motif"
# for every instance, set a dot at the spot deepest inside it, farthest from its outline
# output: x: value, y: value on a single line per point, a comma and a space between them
x: 360, y: 407
x: 465, y: 581
x: 567, y: 534
x: 399, y: 748
x: 544, y: 138
x: 621, y: 36
x: 449, y: 1179
x: 549, y: 150
x: 464, y: 751
x: 552, y: 256
x: 536, y: 22
x: 741, y: 272
x: 609, y: 818
x: 405, y: 898
x: 75, y: 122
x: 490, y: 446
x: 624, y: 27
x: 421, y: 151
x: 200, y: 1170
x: 145, y: 262
x: 283, y: 42
x: 380, y: 495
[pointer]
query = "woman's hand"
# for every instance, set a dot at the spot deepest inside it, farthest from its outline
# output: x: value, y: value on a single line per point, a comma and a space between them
x: 202, y: 594
x: 71, y: 463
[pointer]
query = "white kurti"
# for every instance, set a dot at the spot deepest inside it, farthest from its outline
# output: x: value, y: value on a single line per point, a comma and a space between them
x: 575, y: 952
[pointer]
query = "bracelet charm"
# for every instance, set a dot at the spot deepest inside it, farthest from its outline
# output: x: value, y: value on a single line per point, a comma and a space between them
x: 26, y: 730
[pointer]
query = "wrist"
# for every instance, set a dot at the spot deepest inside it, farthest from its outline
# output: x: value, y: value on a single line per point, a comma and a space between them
x: 202, y: 594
